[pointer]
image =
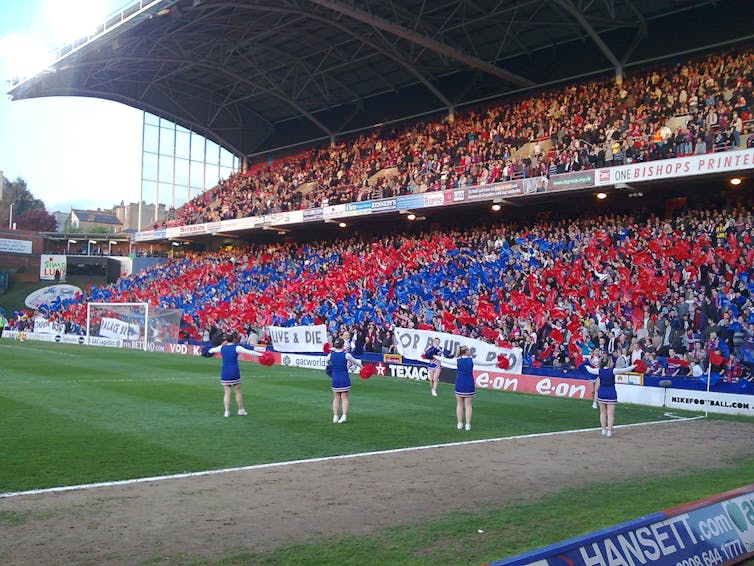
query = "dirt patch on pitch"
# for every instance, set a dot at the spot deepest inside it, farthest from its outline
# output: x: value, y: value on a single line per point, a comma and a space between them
x: 213, y: 516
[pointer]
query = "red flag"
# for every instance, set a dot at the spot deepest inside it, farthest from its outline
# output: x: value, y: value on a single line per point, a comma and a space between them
x: 637, y: 318
x: 716, y: 359
x: 574, y: 326
x: 448, y: 319
x: 466, y: 319
x: 684, y: 363
x: 556, y: 335
x: 489, y: 334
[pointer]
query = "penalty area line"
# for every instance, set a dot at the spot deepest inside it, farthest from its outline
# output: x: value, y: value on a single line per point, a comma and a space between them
x: 325, y: 459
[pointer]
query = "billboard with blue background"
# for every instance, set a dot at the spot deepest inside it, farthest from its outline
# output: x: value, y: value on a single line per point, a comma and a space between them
x: 716, y: 530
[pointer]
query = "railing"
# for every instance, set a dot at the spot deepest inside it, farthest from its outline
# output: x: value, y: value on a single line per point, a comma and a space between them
x: 112, y: 21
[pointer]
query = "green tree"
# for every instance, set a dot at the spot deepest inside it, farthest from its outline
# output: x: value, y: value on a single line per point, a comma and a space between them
x: 29, y: 213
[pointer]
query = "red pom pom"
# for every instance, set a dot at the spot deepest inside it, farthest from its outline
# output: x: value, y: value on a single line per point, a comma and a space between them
x: 501, y: 357
x: 503, y: 362
x: 640, y: 366
x: 366, y: 371
x: 326, y: 348
x: 267, y: 358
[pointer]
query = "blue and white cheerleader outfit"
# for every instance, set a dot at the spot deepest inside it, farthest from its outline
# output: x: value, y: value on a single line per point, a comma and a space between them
x: 429, y: 355
x: 465, y: 377
x: 607, y: 393
x: 339, y: 378
x: 230, y: 374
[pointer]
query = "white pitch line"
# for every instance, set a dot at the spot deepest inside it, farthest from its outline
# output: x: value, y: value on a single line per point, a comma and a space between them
x: 321, y: 459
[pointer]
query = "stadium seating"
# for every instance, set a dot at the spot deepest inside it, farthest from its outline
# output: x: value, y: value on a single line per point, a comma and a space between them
x: 560, y: 289
x: 698, y: 106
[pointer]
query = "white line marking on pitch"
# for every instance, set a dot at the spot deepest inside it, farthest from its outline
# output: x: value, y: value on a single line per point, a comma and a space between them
x: 321, y: 459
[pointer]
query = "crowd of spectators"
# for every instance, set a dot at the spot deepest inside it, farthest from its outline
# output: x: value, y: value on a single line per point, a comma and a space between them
x: 583, y: 126
x: 676, y: 293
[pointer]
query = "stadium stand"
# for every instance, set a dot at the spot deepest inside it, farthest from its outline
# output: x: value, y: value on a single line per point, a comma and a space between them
x: 698, y: 106
x: 675, y: 293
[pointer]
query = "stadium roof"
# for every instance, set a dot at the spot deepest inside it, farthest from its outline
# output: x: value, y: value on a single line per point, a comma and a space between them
x: 256, y: 76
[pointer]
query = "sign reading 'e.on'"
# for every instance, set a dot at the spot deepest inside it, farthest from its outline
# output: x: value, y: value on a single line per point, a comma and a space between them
x: 537, y: 384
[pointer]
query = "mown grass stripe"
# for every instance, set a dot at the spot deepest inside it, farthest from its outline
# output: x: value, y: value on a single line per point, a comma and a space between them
x: 325, y: 459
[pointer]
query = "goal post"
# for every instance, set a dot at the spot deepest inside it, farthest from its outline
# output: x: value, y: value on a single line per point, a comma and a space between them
x: 118, y: 321
x: 137, y: 323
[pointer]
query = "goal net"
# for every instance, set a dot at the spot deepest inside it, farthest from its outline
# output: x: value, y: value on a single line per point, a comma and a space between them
x: 139, y: 324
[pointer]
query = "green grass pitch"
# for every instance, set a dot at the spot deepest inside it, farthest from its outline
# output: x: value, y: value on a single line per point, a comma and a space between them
x: 75, y: 415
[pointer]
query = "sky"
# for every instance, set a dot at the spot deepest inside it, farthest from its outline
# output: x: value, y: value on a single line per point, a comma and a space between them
x: 73, y: 152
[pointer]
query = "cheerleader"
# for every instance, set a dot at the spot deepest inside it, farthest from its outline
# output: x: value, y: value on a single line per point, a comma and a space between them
x: 336, y: 367
x: 607, y: 396
x: 594, y: 360
x: 464, y: 387
x: 434, y: 365
x: 230, y: 374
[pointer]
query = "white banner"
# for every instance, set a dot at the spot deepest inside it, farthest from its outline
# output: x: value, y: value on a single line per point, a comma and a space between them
x: 8, y: 246
x: 44, y: 326
x: 308, y: 362
x: 411, y: 344
x: 118, y: 330
x: 680, y: 167
x: 299, y: 338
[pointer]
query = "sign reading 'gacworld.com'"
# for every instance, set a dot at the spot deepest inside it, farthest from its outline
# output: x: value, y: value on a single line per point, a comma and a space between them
x: 717, y: 530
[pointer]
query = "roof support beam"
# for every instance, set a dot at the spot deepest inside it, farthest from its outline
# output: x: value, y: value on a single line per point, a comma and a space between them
x: 347, y: 31
x: 576, y: 14
x: 230, y: 73
x: 423, y: 40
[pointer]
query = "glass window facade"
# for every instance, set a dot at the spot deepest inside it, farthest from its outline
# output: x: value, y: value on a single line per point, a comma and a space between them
x: 178, y: 165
